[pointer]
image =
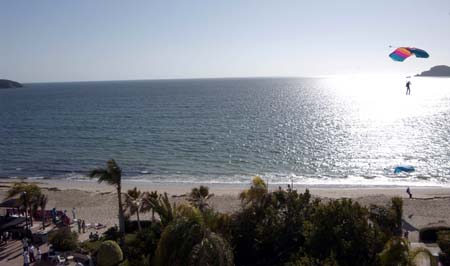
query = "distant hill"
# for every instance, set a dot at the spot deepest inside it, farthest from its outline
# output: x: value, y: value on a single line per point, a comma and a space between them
x: 436, y: 71
x: 6, y: 83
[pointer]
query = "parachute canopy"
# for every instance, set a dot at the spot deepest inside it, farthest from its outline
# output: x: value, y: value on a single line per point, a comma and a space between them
x: 402, y: 53
x: 404, y: 168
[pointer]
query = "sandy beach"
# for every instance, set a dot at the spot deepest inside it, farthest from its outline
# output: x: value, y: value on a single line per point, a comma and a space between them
x: 97, y: 203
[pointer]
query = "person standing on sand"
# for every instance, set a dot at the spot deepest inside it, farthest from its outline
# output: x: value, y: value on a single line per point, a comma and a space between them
x: 83, y: 225
x: 31, y: 253
x: 74, y: 213
x: 5, y: 237
x: 53, y: 213
x: 408, y: 89
x: 39, y: 255
x: 26, y: 258
x: 25, y: 244
x: 408, y: 191
x: 79, y: 226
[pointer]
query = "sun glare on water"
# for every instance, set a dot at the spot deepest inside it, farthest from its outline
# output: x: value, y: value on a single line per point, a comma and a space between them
x: 383, y: 99
x: 385, y: 127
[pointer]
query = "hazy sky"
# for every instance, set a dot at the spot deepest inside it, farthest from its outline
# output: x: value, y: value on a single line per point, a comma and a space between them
x: 114, y: 40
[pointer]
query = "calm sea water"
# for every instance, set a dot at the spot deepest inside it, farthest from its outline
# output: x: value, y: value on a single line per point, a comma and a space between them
x: 322, y: 131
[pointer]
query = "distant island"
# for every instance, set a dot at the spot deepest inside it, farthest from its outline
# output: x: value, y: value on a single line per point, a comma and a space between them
x: 436, y: 71
x: 6, y: 83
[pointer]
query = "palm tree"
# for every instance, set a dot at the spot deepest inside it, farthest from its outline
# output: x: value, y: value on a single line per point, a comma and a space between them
x: 256, y: 195
x: 28, y: 196
x: 42, y: 203
x: 112, y: 175
x: 162, y: 206
x: 149, y: 199
x: 134, y: 203
x: 199, y: 197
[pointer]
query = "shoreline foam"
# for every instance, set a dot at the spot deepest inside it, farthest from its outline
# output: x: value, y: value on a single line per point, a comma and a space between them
x: 401, y: 180
x: 177, y: 188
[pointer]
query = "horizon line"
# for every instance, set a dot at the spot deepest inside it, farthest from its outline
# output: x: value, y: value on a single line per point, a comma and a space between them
x: 167, y: 79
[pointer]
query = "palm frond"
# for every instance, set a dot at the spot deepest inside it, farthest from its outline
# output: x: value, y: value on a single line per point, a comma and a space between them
x: 19, y: 187
x: 133, y: 201
x: 162, y: 206
x: 256, y: 194
x: 199, y: 197
x: 112, y: 174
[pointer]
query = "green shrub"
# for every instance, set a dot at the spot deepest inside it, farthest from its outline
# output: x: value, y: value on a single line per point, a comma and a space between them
x: 212, y: 250
x: 140, y: 247
x: 125, y: 263
x: 63, y: 240
x: 388, y: 219
x: 135, y: 250
x: 109, y: 254
x: 397, y: 213
x: 132, y: 226
x: 396, y: 253
x: 91, y: 246
x: 444, y: 244
x: 185, y: 241
x: 112, y: 233
x: 282, y: 227
x: 270, y: 227
x: 217, y: 222
x: 340, y: 229
x: 308, y: 261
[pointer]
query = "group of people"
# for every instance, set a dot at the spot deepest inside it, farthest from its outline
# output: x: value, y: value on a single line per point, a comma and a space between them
x: 81, y: 226
x: 93, y: 236
x: 59, y: 217
x: 30, y: 253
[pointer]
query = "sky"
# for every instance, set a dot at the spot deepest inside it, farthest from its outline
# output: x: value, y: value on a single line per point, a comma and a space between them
x: 82, y: 40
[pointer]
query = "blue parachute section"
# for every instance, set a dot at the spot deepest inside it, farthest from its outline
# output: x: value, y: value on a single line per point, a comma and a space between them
x: 419, y: 53
x: 404, y: 168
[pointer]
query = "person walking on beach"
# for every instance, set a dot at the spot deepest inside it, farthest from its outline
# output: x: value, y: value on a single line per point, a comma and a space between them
x: 25, y: 244
x: 74, y: 213
x: 26, y: 258
x: 79, y: 226
x: 408, y: 191
x: 408, y: 89
x: 5, y: 237
x: 83, y: 225
x: 39, y: 255
x: 53, y: 213
x: 31, y: 253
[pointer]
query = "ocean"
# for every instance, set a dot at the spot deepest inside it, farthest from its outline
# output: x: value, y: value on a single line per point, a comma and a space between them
x: 331, y: 131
